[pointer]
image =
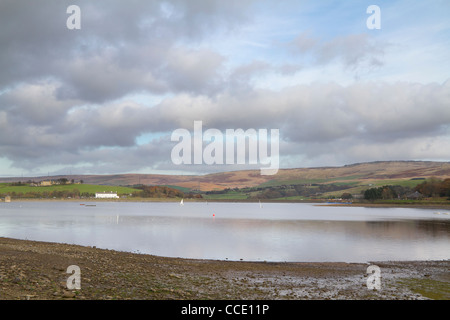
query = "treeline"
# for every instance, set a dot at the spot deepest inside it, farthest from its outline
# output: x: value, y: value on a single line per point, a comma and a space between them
x: 430, y: 188
x: 60, y: 181
x: 434, y: 187
x: 386, y: 193
x: 314, y: 190
x: 49, y: 194
x: 162, y: 192
x: 283, y: 191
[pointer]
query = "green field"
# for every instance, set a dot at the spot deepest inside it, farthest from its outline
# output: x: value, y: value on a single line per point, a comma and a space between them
x: 5, y: 188
x: 276, y: 183
x: 350, y: 184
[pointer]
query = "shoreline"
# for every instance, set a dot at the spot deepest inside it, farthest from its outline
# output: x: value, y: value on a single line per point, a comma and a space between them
x: 31, y: 270
x: 386, y: 205
x: 422, y: 205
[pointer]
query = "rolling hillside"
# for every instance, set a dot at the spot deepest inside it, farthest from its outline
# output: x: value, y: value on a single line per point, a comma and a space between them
x: 376, y: 173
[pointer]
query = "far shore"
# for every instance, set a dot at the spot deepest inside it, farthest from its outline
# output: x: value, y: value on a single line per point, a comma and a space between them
x: 318, y: 202
x: 387, y: 205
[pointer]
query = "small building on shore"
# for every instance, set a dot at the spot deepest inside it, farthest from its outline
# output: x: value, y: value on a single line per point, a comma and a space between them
x: 7, y: 199
x: 106, y: 195
x: 414, y: 196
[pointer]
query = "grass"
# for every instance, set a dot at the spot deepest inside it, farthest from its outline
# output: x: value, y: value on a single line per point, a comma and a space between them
x: 275, y: 183
x: 429, y: 288
x: 82, y: 188
x: 354, y: 186
x: 182, y: 189
x: 403, y: 183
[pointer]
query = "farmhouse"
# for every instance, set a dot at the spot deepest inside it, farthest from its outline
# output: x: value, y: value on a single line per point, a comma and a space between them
x: 415, y: 196
x: 106, y: 195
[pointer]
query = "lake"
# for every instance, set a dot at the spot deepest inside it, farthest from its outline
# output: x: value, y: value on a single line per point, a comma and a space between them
x: 234, y: 231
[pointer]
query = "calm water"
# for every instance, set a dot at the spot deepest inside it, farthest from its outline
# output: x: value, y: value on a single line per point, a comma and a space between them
x: 234, y: 231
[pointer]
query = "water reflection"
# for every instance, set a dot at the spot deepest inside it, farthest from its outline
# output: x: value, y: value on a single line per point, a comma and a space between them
x: 276, y: 232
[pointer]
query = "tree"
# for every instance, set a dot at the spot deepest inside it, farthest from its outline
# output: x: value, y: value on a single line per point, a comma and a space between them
x: 372, y: 194
x: 346, y: 196
x: 388, y: 193
x: 385, y: 193
x: 434, y: 187
x: 63, y: 180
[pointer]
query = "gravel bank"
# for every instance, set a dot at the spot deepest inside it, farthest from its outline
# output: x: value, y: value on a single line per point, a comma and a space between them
x: 32, y: 270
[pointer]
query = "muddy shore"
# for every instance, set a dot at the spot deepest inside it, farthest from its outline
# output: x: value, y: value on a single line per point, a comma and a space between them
x: 31, y: 270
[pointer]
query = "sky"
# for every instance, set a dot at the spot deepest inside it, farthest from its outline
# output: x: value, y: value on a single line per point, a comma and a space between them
x: 106, y: 98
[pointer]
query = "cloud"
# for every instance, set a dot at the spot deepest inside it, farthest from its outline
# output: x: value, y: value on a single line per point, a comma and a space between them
x: 315, y: 120
x: 355, y: 52
x: 120, y: 48
x: 69, y: 98
x: 35, y: 104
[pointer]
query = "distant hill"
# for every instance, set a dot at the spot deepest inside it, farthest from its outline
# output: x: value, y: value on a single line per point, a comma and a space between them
x: 370, y: 172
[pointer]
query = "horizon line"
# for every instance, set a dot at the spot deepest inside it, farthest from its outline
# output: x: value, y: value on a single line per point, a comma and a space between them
x: 218, y: 172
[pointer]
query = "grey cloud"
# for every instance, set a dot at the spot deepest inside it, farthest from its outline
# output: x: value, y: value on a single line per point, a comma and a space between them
x: 321, y: 112
x: 66, y: 97
x: 193, y: 71
x: 103, y: 78
x: 119, y: 50
x: 318, y: 114
x: 35, y: 104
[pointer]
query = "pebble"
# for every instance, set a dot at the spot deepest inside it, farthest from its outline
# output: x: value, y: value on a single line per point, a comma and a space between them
x: 68, y: 294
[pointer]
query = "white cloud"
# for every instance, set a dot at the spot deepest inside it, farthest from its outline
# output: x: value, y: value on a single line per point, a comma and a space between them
x: 337, y: 92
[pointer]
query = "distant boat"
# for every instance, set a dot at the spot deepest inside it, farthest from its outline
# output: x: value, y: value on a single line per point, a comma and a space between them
x: 181, y: 202
x: 260, y: 205
x: 437, y: 212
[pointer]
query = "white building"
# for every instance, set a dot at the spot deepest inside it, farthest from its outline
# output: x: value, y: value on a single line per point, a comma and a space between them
x: 106, y: 195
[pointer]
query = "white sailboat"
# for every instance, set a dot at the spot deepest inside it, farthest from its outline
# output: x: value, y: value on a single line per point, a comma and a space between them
x: 181, y: 202
x: 260, y: 205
